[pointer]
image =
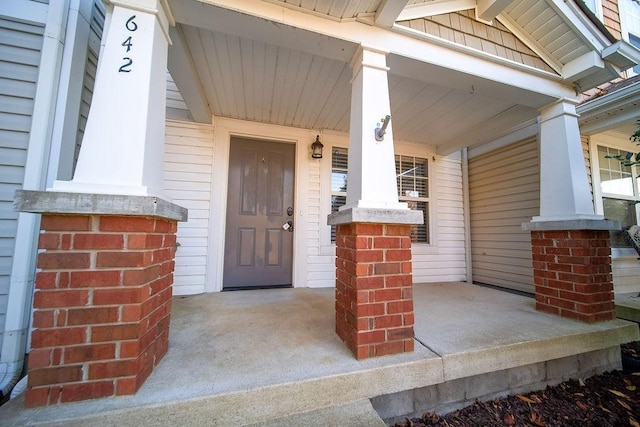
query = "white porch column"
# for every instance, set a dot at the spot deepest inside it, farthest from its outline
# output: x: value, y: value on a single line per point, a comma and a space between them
x: 564, y: 186
x: 372, y: 172
x: 123, y: 145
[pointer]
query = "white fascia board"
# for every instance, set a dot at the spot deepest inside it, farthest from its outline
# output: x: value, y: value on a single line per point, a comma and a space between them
x: 184, y: 74
x: 614, y: 101
x: 622, y: 54
x: 397, y: 41
x: 25, y: 10
x: 628, y: 94
x: 388, y: 12
x: 583, y: 66
x: 608, y: 122
x: 435, y: 7
x: 487, y: 10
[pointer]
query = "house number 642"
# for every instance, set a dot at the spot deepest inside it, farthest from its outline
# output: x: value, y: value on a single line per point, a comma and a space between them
x: 130, y: 25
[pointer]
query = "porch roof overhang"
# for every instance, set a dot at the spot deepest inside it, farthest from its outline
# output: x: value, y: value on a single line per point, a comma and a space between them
x: 615, y: 109
x: 273, y: 62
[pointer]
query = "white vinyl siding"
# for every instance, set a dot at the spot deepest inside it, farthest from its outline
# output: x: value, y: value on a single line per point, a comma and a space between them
x: 20, y: 46
x: 188, y: 178
x: 443, y: 260
x: 504, y: 192
x: 176, y: 107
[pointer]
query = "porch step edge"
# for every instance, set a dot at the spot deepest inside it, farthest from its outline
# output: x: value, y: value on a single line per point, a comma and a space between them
x: 355, y: 414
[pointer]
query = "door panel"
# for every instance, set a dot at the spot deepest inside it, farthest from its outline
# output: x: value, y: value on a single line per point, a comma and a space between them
x: 258, y: 251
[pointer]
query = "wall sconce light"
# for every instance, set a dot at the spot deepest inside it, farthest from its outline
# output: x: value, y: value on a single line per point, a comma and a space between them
x: 316, y: 148
x: 380, y: 131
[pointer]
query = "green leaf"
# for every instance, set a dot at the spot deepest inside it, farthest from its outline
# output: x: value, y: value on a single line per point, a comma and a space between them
x: 628, y: 156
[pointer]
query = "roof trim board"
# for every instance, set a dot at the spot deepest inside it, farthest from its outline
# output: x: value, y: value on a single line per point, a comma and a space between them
x: 185, y: 75
x: 388, y: 12
x: 487, y: 10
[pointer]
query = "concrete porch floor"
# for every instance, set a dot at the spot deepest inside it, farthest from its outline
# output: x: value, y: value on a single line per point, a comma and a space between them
x: 271, y: 357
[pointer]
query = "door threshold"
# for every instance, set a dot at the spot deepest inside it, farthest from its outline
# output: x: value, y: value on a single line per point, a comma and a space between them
x: 249, y: 288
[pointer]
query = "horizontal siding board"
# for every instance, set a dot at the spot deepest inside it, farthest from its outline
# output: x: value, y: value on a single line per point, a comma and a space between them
x: 20, y: 45
x: 188, y: 175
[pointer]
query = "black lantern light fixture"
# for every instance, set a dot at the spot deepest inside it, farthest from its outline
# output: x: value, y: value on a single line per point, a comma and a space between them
x: 316, y: 148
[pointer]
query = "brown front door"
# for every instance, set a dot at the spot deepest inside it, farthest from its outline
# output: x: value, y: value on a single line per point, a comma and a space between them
x: 258, y: 251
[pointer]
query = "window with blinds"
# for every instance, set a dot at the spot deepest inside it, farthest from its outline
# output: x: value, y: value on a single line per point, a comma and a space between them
x: 412, y: 180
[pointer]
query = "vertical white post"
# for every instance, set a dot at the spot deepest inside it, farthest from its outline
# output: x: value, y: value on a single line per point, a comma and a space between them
x: 372, y: 173
x: 564, y: 186
x: 123, y: 145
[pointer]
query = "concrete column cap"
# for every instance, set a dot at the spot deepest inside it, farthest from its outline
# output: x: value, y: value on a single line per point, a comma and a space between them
x: 573, y: 224
x: 97, y: 204
x: 376, y: 215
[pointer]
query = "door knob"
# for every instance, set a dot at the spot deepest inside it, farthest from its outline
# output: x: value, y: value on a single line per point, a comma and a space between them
x: 288, y: 226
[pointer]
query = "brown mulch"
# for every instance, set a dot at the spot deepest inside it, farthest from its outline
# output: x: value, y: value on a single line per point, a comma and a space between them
x: 610, y: 399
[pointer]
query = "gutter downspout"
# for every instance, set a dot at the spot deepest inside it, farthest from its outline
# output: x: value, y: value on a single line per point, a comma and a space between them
x: 466, y: 214
x: 14, y: 343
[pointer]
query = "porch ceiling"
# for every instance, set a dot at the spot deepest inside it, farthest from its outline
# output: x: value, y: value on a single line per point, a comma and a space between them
x: 253, y: 69
x: 252, y: 80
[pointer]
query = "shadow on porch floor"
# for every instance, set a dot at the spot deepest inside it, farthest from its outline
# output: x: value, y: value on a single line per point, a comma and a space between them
x: 248, y: 357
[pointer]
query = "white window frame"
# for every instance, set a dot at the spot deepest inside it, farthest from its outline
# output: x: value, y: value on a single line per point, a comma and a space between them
x: 619, y: 141
x: 331, y: 140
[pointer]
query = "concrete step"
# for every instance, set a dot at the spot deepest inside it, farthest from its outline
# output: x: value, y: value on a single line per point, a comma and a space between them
x: 356, y: 414
x: 628, y: 306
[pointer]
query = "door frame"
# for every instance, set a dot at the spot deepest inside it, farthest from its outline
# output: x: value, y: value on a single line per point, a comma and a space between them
x: 224, y: 130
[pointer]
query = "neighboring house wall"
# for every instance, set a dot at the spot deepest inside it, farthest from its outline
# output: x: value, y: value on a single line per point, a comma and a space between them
x: 611, y: 17
x: 20, y: 46
x: 625, y: 262
x: 504, y: 192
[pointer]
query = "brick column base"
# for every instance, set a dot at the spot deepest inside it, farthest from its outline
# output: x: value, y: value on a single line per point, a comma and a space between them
x: 101, y: 306
x: 572, y: 274
x: 374, y: 300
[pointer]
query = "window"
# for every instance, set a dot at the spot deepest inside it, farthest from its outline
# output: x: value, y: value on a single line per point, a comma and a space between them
x: 338, y: 182
x: 634, y: 40
x: 413, y: 188
x: 412, y: 182
x: 619, y: 189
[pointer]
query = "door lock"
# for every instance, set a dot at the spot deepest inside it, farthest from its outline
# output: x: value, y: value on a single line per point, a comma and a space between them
x: 288, y: 226
x: 289, y: 211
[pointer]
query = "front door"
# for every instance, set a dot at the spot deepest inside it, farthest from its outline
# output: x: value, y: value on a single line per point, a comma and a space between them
x: 258, y: 250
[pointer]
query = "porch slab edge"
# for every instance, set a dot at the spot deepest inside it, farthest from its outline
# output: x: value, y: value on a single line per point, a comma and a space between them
x: 97, y: 204
x: 245, y: 407
x: 376, y: 215
x: 478, y: 362
x: 573, y: 224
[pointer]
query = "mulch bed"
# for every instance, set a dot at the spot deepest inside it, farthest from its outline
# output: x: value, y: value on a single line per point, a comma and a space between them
x: 610, y: 399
